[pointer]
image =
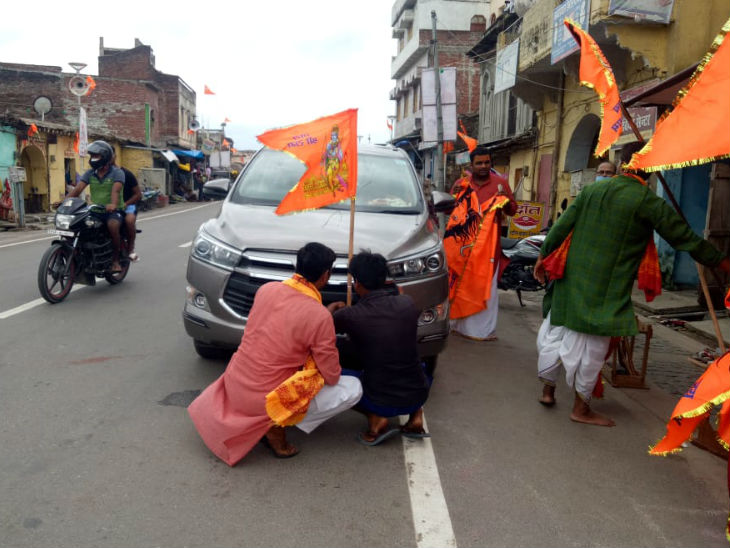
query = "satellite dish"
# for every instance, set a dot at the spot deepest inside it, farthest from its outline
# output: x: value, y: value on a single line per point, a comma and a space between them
x: 42, y: 105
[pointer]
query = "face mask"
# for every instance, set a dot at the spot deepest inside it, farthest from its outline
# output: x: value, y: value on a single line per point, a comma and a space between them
x: 96, y: 163
x: 600, y: 178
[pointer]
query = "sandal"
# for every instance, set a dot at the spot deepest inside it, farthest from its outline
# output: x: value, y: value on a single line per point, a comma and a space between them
x: 376, y: 438
x: 293, y: 451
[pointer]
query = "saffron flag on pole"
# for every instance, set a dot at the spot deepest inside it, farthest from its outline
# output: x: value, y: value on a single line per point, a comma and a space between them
x: 696, y: 131
x: 597, y: 74
x: 32, y: 130
x: 207, y: 91
x: 328, y: 147
x: 91, y: 85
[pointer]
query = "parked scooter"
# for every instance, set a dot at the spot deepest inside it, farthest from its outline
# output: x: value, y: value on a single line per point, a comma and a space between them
x: 519, y: 273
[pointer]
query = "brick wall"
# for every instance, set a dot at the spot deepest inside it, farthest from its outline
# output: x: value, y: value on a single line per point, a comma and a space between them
x: 136, y: 63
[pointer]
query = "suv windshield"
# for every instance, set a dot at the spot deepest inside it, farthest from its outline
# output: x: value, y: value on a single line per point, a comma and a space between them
x: 386, y: 184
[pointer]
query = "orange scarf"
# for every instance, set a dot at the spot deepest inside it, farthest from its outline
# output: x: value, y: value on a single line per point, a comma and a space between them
x: 470, y: 242
x: 287, y: 404
x: 649, y: 276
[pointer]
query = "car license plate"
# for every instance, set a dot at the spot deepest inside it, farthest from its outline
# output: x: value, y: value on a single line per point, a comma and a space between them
x: 61, y: 232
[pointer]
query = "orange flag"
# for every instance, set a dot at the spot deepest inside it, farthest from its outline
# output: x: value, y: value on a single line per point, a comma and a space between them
x: 711, y: 389
x: 226, y: 120
x: 32, y: 130
x: 328, y: 147
x: 76, y: 142
x: 91, y: 85
x: 696, y: 130
x: 207, y: 91
x: 471, y: 143
x: 596, y: 73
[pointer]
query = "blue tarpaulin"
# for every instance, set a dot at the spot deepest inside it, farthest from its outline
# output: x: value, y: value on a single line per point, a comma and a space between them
x: 195, y: 154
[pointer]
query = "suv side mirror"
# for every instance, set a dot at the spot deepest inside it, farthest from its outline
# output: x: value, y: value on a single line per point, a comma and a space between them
x: 443, y: 202
x: 217, y: 189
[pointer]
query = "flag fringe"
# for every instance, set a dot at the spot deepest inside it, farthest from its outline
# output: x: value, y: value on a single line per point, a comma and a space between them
x: 680, y: 95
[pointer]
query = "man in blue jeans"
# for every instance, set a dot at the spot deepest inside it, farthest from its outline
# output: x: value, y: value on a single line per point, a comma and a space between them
x: 382, y: 328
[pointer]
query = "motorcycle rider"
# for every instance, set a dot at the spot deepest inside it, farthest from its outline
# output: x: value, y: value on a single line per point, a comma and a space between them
x: 105, y: 182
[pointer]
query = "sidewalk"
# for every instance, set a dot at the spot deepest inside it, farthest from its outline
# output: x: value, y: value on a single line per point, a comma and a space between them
x: 682, y: 305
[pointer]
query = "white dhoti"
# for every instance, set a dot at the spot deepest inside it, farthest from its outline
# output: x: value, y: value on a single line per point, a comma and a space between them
x: 581, y: 355
x: 482, y: 324
x: 330, y: 401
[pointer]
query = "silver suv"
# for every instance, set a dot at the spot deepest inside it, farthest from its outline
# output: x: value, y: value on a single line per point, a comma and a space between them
x: 248, y: 245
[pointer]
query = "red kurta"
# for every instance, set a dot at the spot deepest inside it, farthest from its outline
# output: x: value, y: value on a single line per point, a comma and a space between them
x: 283, y: 328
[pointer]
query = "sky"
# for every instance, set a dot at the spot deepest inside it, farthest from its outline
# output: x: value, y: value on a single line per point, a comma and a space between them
x: 270, y: 64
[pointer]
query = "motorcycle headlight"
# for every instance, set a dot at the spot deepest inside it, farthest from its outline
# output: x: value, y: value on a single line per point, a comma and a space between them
x: 413, y: 266
x: 211, y: 251
x: 63, y: 221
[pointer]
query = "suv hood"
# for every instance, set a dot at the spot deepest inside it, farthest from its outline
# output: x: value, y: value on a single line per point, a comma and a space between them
x: 258, y: 227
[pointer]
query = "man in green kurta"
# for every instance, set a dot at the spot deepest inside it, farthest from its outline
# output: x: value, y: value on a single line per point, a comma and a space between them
x: 611, y: 224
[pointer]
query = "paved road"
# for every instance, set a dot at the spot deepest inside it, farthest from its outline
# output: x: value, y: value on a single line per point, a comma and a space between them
x: 96, y: 448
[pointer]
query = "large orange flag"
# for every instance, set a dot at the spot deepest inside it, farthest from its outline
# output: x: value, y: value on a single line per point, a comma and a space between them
x: 207, y: 91
x: 697, y: 130
x: 597, y: 74
x: 328, y: 146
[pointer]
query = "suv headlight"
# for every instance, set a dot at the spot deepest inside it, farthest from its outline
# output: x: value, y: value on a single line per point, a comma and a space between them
x: 211, y: 251
x: 63, y: 221
x: 423, y: 264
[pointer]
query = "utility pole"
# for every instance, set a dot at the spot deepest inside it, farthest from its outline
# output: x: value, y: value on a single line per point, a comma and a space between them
x: 438, y: 175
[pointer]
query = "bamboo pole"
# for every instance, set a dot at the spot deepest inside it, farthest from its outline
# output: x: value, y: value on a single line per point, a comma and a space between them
x: 670, y: 195
x: 350, y: 250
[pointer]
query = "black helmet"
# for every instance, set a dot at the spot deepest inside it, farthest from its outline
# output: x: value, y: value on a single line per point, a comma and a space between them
x: 102, y: 149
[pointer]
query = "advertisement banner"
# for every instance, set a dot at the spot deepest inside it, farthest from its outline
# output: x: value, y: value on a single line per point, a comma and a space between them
x: 655, y: 11
x: 527, y: 221
x: 83, y: 132
x: 563, y: 42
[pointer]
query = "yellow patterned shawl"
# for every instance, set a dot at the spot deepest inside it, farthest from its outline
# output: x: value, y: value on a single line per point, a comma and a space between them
x: 287, y: 404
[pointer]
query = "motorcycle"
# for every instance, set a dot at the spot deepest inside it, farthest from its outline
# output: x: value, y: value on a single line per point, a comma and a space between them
x: 523, y: 255
x: 82, y: 252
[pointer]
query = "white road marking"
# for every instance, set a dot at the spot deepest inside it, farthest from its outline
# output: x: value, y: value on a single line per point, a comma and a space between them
x: 431, y: 519
x: 138, y: 220
x: 28, y: 241
x: 32, y: 304
x: 186, y: 244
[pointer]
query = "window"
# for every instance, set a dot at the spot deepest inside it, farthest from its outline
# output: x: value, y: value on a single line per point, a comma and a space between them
x: 478, y: 23
x: 405, y: 103
x: 397, y: 110
x: 416, y: 94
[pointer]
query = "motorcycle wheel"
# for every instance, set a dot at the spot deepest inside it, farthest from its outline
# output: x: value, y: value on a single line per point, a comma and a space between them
x: 115, y: 278
x: 54, y: 286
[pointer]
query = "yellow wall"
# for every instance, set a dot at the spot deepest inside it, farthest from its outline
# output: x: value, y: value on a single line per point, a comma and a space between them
x: 135, y: 159
x: 518, y: 160
x: 671, y: 48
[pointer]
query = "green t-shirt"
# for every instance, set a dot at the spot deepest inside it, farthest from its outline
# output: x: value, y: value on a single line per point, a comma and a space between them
x: 101, y: 188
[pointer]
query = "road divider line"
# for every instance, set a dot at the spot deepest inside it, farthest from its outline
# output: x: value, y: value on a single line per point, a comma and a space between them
x: 32, y: 304
x: 186, y: 244
x: 431, y: 519
x: 139, y: 220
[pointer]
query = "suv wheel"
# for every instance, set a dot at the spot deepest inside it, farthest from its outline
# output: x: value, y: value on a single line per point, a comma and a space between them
x: 211, y: 351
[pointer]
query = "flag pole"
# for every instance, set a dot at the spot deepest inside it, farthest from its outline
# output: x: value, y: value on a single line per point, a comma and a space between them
x: 350, y: 250
x: 700, y: 268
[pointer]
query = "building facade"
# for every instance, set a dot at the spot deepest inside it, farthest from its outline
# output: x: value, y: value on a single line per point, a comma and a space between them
x: 459, y: 25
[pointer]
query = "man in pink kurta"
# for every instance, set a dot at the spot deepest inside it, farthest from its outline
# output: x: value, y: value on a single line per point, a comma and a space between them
x: 284, y: 327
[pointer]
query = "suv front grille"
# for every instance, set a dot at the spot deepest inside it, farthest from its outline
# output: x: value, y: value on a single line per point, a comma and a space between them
x: 242, y: 287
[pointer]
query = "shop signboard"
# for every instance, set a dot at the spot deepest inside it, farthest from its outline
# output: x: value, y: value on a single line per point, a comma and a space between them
x: 527, y: 220
x: 563, y: 42
x: 506, y: 73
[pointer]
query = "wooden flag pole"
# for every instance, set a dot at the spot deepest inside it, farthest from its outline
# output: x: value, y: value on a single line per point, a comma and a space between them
x: 700, y: 269
x: 350, y: 250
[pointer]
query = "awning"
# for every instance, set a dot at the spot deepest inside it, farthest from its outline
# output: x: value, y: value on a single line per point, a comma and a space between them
x: 195, y: 154
x: 169, y: 156
x: 664, y: 92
